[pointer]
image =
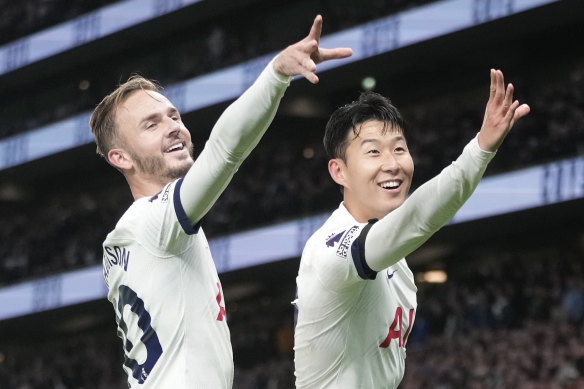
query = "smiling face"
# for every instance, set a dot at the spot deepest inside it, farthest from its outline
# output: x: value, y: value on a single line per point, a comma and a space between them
x: 155, y: 144
x: 376, y: 173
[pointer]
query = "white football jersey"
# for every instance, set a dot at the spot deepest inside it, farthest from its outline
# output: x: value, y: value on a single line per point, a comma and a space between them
x: 162, y: 281
x: 167, y: 297
x: 353, y: 323
x: 350, y: 333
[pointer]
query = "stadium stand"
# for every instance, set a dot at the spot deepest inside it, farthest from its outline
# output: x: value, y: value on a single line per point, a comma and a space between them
x: 509, y: 316
x: 26, y: 17
x: 515, y: 302
x: 285, y: 183
x: 200, y: 45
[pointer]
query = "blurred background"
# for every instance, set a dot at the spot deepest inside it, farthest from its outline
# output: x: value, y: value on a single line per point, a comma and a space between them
x: 501, y: 287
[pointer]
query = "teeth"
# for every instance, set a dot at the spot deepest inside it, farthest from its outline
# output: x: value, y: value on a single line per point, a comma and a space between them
x: 390, y: 184
x: 175, y: 147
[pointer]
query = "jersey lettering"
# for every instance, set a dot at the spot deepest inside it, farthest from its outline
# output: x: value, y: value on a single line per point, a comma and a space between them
x: 221, y: 314
x: 149, y: 337
x: 395, y: 329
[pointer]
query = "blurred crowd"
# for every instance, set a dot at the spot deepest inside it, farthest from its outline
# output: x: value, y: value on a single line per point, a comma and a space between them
x: 286, y: 178
x: 204, y: 47
x: 511, y: 319
x: 514, y: 321
x: 25, y: 17
x: 507, y: 317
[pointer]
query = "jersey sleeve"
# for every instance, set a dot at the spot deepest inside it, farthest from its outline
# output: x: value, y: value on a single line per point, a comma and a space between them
x: 233, y: 137
x: 330, y: 260
x: 430, y: 207
x: 182, y: 217
x: 358, y: 252
x: 157, y: 223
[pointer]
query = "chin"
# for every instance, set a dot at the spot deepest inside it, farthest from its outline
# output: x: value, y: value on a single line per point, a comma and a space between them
x: 179, y: 171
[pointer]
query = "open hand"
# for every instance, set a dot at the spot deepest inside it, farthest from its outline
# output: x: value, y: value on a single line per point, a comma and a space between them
x: 501, y: 113
x: 302, y: 57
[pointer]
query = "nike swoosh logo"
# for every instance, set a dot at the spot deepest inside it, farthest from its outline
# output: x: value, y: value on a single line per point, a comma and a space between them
x: 390, y: 275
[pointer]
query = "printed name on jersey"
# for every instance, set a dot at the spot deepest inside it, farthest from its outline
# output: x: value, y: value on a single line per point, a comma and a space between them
x: 114, y: 256
x: 346, y: 241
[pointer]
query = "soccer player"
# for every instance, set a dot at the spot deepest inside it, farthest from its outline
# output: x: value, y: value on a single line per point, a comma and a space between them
x: 162, y: 280
x: 356, y: 300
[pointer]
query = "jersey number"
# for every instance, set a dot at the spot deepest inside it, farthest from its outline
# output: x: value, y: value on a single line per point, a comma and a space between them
x: 149, y: 337
x: 395, y: 329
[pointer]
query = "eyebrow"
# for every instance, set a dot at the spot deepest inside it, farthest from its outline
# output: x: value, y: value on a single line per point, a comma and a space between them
x: 153, y: 116
x: 148, y: 118
x: 367, y: 141
x: 398, y: 138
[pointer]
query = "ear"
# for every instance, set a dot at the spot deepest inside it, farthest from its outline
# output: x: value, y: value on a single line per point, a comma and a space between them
x: 120, y: 159
x: 336, y: 169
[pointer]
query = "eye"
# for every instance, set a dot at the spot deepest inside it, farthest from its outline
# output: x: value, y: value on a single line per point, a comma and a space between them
x: 174, y: 115
x: 373, y: 151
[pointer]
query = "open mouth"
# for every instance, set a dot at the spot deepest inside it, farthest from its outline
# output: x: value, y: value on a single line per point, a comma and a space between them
x: 175, y: 147
x: 391, y: 184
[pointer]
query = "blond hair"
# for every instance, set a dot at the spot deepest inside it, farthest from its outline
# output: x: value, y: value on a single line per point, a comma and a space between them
x: 102, y: 120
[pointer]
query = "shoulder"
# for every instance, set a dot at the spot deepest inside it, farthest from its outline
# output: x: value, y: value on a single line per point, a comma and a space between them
x: 147, y: 213
x: 327, y: 254
x: 334, y: 232
x: 341, y: 229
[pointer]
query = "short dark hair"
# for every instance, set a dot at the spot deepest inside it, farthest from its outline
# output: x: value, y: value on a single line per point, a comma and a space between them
x: 369, y: 106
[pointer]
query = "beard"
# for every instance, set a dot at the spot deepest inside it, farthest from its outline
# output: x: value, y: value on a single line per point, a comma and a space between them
x: 157, y: 166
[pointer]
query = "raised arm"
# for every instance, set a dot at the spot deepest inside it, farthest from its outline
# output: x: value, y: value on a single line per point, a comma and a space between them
x: 437, y: 201
x: 243, y: 123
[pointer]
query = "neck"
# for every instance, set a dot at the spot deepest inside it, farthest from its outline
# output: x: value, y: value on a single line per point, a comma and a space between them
x: 141, y: 187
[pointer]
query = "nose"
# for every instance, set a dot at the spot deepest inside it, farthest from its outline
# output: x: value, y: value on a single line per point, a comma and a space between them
x: 173, y: 127
x: 390, y: 163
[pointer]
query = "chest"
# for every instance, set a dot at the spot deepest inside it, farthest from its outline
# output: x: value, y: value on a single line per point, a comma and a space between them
x: 395, y: 286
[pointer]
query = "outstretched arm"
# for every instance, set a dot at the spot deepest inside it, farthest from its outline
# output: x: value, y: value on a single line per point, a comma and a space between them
x: 437, y: 201
x: 243, y: 123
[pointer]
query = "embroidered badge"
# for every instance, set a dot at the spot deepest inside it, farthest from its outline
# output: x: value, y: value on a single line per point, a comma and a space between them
x: 345, y: 244
x: 334, y: 238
